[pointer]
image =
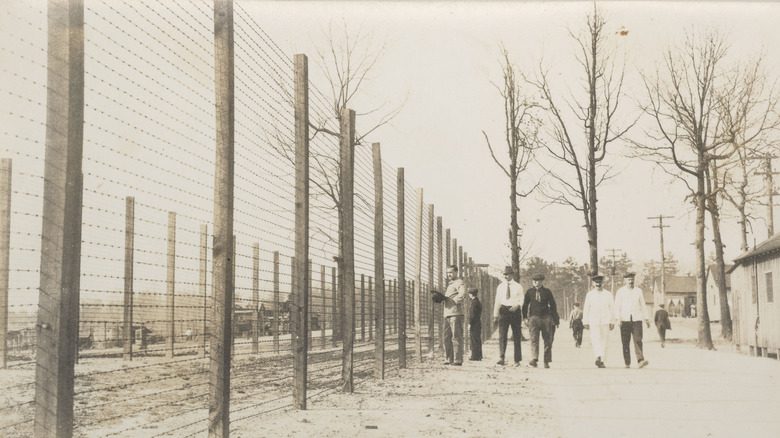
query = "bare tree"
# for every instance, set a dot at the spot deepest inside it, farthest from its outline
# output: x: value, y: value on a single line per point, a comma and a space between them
x: 746, y: 107
x: 582, y: 157
x: 685, y: 101
x: 346, y: 62
x: 521, y: 129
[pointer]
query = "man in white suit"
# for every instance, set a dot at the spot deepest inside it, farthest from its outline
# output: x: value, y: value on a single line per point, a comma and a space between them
x: 598, y: 317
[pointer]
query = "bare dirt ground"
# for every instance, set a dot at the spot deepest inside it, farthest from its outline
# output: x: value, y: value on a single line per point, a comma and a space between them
x: 684, y: 392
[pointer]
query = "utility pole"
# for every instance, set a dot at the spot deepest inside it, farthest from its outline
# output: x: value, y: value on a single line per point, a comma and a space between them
x: 770, y: 192
x: 661, y: 227
x: 612, y: 252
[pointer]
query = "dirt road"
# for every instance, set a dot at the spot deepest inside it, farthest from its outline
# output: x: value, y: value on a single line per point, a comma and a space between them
x: 684, y: 392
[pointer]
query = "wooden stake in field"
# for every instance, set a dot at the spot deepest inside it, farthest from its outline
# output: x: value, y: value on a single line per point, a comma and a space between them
x: 401, y: 291
x: 347, y: 241
x: 299, y: 314
x: 57, y: 323
x: 219, y: 375
x: 276, y: 302
x: 256, y: 317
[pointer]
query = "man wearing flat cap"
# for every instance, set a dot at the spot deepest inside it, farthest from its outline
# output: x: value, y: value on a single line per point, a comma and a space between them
x: 630, y: 310
x: 540, y: 311
x: 598, y: 317
x: 507, y: 312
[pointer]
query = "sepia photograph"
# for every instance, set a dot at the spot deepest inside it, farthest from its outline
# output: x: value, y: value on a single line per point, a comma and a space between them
x: 367, y: 218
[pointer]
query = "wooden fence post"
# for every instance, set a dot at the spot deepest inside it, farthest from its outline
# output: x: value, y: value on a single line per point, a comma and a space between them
x: 277, y: 314
x: 429, y: 303
x: 335, y: 322
x: 220, y: 356
x: 401, y: 291
x: 371, y: 310
x: 170, y: 281
x: 57, y: 323
x: 203, y: 268
x: 256, y: 297
x: 440, y: 280
x: 127, y: 335
x: 300, y: 311
x: 362, y: 307
x: 347, y: 242
x: 418, y: 279
x: 324, y: 312
x: 5, y: 251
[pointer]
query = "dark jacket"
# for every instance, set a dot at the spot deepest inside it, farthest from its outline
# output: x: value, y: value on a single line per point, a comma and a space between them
x: 662, y: 319
x: 475, y: 312
x: 544, y: 306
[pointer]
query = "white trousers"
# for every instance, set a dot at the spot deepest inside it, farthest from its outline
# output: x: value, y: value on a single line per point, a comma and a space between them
x: 598, y: 339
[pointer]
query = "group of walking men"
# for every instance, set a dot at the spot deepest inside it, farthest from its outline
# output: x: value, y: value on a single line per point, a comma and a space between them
x: 535, y: 308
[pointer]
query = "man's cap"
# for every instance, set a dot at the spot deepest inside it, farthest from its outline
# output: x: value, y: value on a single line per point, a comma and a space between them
x: 629, y: 275
x: 538, y: 277
x: 597, y: 277
x: 473, y: 291
x: 508, y: 270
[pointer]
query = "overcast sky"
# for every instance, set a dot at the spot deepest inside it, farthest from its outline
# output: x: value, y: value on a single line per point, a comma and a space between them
x: 440, y: 59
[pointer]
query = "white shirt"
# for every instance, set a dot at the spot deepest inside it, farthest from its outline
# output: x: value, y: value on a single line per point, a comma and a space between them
x: 598, y: 308
x: 515, y: 296
x: 630, y: 304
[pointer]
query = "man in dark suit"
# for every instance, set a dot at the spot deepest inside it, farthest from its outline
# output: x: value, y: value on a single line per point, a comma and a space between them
x: 662, y: 323
x: 475, y: 325
x: 540, y: 311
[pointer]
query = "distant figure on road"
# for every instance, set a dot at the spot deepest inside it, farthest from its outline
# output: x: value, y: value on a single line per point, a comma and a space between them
x: 597, y: 315
x: 575, y: 324
x: 540, y: 311
x: 475, y: 325
x: 630, y: 311
x: 507, y: 312
x: 662, y: 323
x: 453, y: 317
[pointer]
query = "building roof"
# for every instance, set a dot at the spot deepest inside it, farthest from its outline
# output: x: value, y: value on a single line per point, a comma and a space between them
x: 770, y: 246
x: 713, y: 269
x: 678, y: 284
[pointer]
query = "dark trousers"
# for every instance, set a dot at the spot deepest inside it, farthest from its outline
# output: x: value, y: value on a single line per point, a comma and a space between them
x: 508, y: 319
x: 475, y: 338
x: 662, y: 334
x: 576, y: 330
x: 453, y: 338
x: 629, y: 329
x: 543, y: 324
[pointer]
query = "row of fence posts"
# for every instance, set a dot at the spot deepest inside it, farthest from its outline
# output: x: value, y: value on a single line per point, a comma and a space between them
x: 58, y: 314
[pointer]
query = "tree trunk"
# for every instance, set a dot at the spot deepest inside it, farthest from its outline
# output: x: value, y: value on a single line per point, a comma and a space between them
x: 515, y: 229
x: 725, y: 311
x: 704, y: 335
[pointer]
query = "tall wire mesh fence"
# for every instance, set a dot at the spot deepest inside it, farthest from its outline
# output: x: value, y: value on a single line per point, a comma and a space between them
x: 148, y: 164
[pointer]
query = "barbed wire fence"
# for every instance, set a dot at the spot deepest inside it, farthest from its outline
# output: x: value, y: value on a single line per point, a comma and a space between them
x: 145, y: 320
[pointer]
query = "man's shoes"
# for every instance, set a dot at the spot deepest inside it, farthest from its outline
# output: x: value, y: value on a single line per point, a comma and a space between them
x: 501, y: 362
x: 599, y: 363
x: 532, y: 364
x: 474, y: 358
x: 662, y: 345
x: 447, y: 363
x: 547, y: 364
x: 517, y: 364
x: 457, y: 364
x: 628, y: 365
x: 643, y: 364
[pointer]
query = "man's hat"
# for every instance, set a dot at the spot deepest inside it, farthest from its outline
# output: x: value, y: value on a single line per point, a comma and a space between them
x: 473, y: 291
x: 629, y: 275
x: 538, y: 277
x: 509, y: 270
x: 597, y: 277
